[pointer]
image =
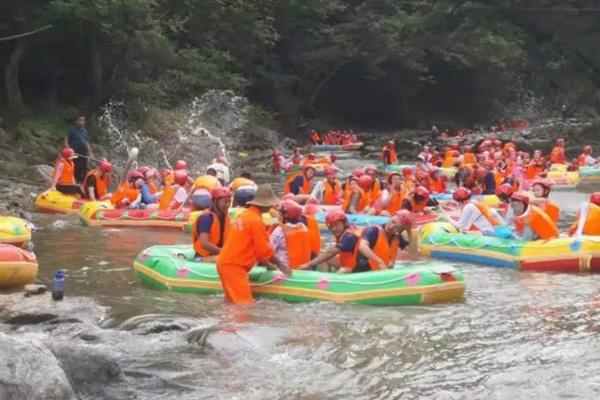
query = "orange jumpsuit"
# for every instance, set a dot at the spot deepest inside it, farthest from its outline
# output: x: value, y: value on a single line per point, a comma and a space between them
x: 246, y: 243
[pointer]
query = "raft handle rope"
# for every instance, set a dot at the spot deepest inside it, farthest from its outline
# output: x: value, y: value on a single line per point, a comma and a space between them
x: 278, y: 277
x: 454, y: 241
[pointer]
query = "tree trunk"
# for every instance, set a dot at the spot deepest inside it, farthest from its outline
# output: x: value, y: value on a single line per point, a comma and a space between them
x: 97, y: 72
x: 15, y: 110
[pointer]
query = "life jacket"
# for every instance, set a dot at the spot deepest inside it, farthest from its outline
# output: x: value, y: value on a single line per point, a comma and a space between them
x: 486, y: 213
x: 396, y: 199
x: 384, y: 249
x: 581, y: 159
x: 152, y: 187
x: 591, y: 225
x: 438, y: 186
x: 239, y: 182
x: 332, y: 194
x: 67, y: 175
x: 305, y: 188
x: 297, y: 243
x: 102, y: 183
x: 539, y: 222
x: 323, y: 161
x: 167, y: 196
x: 363, y: 202
x: 214, y: 236
x: 297, y: 160
x: 417, y: 207
x: 314, y: 233
x: 125, y: 191
x: 557, y: 155
x: 348, y: 258
x: 449, y: 159
x: 469, y: 159
x: 553, y: 210
x: 315, y: 137
x: 207, y: 182
x: 374, y: 193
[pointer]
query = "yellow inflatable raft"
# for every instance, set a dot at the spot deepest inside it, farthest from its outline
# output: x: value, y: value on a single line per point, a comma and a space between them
x: 14, y: 231
x: 55, y: 202
x: 17, y: 266
x: 99, y: 214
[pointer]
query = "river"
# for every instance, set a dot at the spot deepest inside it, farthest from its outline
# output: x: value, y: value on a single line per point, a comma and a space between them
x: 516, y: 335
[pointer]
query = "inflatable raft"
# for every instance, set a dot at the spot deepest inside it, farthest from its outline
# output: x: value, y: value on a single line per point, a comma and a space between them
x: 447, y: 172
x: 563, y: 179
x: 55, y: 202
x: 338, y: 147
x: 363, y: 221
x: 97, y: 214
x: 589, y: 177
x: 172, y: 268
x: 17, y: 266
x: 441, y: 240
x: 14, y: 231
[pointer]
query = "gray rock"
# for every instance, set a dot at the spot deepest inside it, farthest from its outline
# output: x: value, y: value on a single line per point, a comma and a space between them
x: 30, y: 371
x: 40, y: 174
x: 35, y: 289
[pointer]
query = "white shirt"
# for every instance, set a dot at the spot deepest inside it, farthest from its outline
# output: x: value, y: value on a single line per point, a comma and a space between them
x: 222, y: 170
x: 589, y: 161
x: 180, y: 195
x: 469, y: 216
x: 318, y: 191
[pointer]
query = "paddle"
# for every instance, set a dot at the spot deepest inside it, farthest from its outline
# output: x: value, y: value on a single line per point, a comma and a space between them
x: 132, y: 155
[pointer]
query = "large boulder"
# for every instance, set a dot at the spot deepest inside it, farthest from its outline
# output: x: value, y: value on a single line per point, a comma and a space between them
x: 30, y: 371
x: 40, y: 173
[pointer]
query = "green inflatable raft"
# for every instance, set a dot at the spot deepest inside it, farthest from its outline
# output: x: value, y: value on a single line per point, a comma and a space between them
x: 173, y: 268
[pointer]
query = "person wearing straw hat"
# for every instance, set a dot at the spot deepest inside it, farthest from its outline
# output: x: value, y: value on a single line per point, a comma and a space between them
x: 246, y: 244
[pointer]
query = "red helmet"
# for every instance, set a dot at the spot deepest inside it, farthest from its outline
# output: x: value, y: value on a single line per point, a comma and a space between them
x: 105, y: 167
x: 143, y: 169
x: 461, y: 194
x: 406, y: 218
x: 560, y: 142
x: 505, y: 189
x: 165, y: 172
x: 422, y: 191
x: 311, y: 156
x: 365, y: 182
x: 291, y: 209
x: 67, y: 152
x: 422, y: 174
x: 595, y: 198
x: 587, y: 150
x: 220, y: 192
x: 333, y: 157
x: 275, y: 154
x: 357, y: 173
x: 390, y: 176
x: 135, y: 175
x: 335, y: 216
x: 433, y: 171
x: 181, y: 177
x: 180, y: 164
x: 521, y: 197
x: 151, y: 173
x: 407, y: 171
x: 453, y: 146
x: 545, y: 183
x: 467, y: 149
x: 390, y: 142
x: 330, y: 170
x: 481, y: 172
x: 371, y: 168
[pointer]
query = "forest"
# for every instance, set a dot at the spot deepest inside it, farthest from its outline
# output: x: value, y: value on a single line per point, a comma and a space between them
x: 370, y: 63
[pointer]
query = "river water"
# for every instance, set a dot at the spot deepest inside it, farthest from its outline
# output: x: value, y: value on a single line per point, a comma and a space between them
x: 516, y: 335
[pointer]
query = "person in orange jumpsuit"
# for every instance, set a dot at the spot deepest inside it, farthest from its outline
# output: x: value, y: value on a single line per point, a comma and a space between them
x: 245, y: 245
x: 557, y: 155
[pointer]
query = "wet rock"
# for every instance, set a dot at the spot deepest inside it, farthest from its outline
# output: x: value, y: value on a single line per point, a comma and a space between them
x: 30, y: 371
x: 40, y: 173
x: 35, y: 289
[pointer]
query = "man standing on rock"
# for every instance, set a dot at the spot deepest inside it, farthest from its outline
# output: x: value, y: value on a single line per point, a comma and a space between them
x: 78, y: 140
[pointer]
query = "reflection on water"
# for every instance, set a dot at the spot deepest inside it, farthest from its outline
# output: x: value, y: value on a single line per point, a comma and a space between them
x: 517, y: 335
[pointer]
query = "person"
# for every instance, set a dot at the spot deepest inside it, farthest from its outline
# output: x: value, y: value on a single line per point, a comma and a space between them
x: 468, y: 158
x: 486, y: 180
x: 436, y: 181
x: 418, y: 201
x: 175, y: 195
x: 329, y: 190
x: 541, y: 192
x: 585, y: 159
x: 247, y: 243
x: 97, y: 181
x: 557, y: 155
x: 394, y: 195
x: 212, y: 227
x: 355, y: 200
x: 291, y: 237
x: 63, y: 176
x: 374, y: 190
x: 243, y: 188
x: 359, y: 251
x: 221, y: 168
x: 531, y: 222
x: 587, y: 221
x: 473, y: 215
x: 126, y: 192
x: 301, y: 183
x: 78, y: 140
x: 504, y: 212
x: 315, y: 138
x: 388, y: 153
x: 200, y: 195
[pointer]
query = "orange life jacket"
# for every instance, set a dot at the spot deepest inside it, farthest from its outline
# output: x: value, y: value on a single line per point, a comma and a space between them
x: 396, y: 199
x: 297, y: 243
x: 557, y: 155
x: 348, y: 258
x: 591, y: 225
x: 125, y: 191
x: 438, y: 185
x: 214, y: 236
x: 102, y: 183
x: 374, y: 193
x: 67, y: 175
x: 539, y: 222
x: 417, y: 207
x: 469, y: 159
x: 384, y: 249
x: 304, y: 189
x: 167, y: 196
x: 315, y: 234
x: 363, y: 202
x: 332, y: 194
x: 553, y: 210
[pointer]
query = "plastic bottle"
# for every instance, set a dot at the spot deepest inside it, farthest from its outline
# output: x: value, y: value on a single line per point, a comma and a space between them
x: 58, y: 285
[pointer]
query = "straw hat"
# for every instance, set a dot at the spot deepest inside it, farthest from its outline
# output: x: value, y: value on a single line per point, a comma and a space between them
x: 265, y: 197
